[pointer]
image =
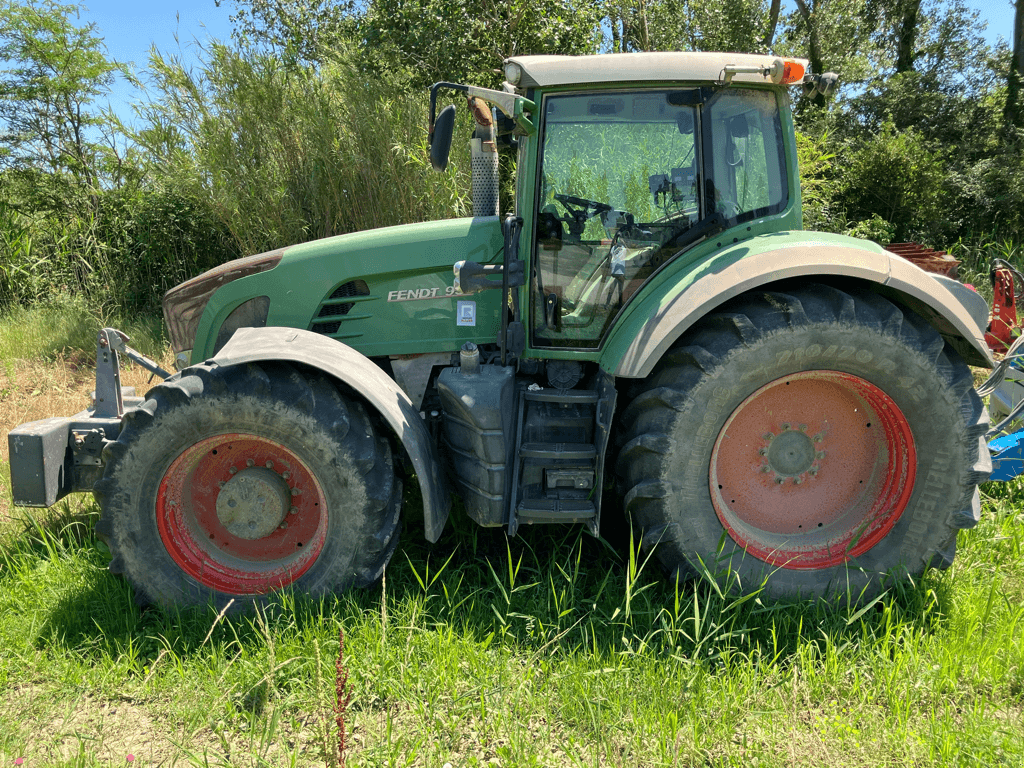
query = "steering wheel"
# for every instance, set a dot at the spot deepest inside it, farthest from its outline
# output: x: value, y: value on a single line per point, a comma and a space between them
x: 580, y: 210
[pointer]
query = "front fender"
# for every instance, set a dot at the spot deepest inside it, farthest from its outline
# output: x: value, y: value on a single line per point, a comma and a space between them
x: 341, y: 362
x: 674, y: 305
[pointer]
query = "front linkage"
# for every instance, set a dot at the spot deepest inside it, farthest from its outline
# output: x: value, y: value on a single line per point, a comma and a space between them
x: 64, y: 454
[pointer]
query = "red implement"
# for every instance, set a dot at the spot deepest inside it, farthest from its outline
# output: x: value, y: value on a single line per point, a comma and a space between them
x: 1002, y: 324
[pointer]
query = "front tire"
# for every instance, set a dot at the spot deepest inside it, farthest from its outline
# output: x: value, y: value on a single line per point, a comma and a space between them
x: 228, y: 484
x: 813, y: 441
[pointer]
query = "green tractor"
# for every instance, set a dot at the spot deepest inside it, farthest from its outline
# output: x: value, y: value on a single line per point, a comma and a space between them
x: 649, y: 335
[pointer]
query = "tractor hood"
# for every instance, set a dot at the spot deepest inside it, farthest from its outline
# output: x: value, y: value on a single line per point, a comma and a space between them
x: 383, y: 291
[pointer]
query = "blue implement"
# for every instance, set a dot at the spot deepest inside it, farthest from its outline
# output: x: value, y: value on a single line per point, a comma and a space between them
x: 1007, y: 456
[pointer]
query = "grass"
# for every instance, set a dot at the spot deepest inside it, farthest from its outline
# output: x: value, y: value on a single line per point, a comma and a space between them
x: 543, y: 650
x: 550, y: 649
x: 66, y: 326
x: 976, y: 254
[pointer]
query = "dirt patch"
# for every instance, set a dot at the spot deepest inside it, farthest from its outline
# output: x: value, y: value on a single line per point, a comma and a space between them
x: 32, y: 390
x: 110, y: 731
x: 56, y: 730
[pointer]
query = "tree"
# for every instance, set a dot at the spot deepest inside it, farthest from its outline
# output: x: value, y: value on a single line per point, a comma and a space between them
x: 834, y: 35
x: 53, y: 72
x: 1013, y: 113
x: 418, y: 42
x: 469, y: 39
x: 695, y: 25
x: 298, y: 31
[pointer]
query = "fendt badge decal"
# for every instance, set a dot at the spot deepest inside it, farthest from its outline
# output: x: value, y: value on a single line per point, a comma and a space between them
x: 420, y: 294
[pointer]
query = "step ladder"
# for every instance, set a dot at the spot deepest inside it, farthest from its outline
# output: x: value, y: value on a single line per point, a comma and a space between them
x: 558, y: 471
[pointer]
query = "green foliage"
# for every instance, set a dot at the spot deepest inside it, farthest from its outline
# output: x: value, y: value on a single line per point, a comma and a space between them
x: 990, y: 190
x: 833, y: 34
x: 460, y: 40
x: 549, y: 649
x: 689, y: 25
x: 289, y: 155
x: 895, y: 176
x: 62, y: 324
x: 876, y: 228
x: 299, y: 32
x: 311, y: 124
x: 53, y: 71
x: 412, y: 44
x: 817, y: 180
x: 975, y: 254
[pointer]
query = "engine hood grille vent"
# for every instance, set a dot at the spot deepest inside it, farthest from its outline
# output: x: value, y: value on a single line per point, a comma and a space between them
x: 335, y: 309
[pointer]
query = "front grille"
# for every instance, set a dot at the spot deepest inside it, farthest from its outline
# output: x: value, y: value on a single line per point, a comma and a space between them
x: 333, y: 310
x: 323, y: 324
x: 351, y: 288
x: 326, y: 328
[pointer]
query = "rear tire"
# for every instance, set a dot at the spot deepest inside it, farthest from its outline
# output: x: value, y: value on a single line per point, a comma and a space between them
x: 232, y: 483
x: 813, y: 441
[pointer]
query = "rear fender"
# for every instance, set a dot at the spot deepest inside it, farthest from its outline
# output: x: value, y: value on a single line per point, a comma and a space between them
x: 662, y: 316
x: 341, y: 362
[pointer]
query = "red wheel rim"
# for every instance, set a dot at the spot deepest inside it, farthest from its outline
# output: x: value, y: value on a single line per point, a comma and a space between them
x: 813, y: 469
x: 197, y: 537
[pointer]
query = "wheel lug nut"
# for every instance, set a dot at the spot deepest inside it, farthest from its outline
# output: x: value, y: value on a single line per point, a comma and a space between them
x: 286, y: 475
x: 270, y: 465
x: 768, y: 436
x: 293, y: 511
x: 779, y: 480
x: 221, y: 484
x: 233, y: 470
x: 250, y: 463
x: 819, y: 437
x: 296, y: 491
x: 282, y: 526
x: 785, y: 427
x: 820, y: 454
x: 797, y: 480
x: 763, y: 452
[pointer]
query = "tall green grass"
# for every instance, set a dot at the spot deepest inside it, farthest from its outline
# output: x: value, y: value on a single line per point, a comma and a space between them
x: 546, y: 650
x: 976, y: 254
x: 69, y: 325
x: 237, y: 156
x: 287, y: 155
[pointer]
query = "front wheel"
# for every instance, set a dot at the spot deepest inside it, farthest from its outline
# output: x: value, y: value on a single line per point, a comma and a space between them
x: 228, y: 484
x: 814, y: 442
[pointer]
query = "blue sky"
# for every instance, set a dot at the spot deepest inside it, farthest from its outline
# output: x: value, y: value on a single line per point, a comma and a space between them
x: 130, y: 28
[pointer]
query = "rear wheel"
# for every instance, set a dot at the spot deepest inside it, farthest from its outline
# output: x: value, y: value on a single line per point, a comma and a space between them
x: 814, y: 441
x: 232, y: 483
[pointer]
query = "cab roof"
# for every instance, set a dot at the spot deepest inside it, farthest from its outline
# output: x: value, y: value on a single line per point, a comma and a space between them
x: 689, y: 66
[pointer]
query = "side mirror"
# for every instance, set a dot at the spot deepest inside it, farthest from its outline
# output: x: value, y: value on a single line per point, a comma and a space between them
x: 825, y: 84
x: 441, y: 138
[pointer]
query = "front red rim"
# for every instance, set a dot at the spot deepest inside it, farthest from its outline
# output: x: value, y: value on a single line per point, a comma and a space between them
x: 198, y: 541
x: 813, y: 469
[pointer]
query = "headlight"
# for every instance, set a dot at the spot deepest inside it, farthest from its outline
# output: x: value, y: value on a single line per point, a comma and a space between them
x: 184, y: 304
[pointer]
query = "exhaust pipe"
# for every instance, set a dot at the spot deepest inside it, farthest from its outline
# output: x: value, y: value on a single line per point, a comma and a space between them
x: 484, y: 160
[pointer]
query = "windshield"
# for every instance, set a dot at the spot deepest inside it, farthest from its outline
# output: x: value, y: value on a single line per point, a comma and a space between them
x: 623, y: 189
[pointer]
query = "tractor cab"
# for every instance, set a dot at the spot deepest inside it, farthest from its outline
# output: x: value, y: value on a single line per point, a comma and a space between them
x: 615, y: 178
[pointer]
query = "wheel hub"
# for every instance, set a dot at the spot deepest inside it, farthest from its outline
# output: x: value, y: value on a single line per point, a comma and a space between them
x: 812, y: 469
x: 253, y: 503
x: 790, y: 454
x: 242, y: 513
